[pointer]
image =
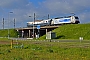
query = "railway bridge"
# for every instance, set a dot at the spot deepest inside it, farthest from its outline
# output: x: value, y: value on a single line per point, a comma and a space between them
x: 27, y: 32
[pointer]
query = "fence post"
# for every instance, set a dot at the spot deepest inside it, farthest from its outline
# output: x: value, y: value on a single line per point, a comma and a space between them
x: 11, y: 44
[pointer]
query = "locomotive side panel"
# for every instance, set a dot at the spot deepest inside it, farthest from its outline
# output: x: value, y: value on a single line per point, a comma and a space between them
x: 61, y: 21
x: 55, y: 21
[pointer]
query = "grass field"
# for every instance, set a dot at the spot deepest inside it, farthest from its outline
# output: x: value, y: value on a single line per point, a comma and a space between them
x: 43, y: 50
x: 12, y: 33
x: 46, y: 50
x: 72, y: 31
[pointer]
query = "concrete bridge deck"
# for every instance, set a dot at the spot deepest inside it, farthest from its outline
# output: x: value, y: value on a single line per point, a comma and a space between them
x: 43, y: 27
x: 27, y: 32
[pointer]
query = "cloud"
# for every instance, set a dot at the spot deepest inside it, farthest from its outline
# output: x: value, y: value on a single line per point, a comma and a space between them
x: 84, y: 17
x: 13, y: 4
x: 65, y: 7
x: 22, y: 9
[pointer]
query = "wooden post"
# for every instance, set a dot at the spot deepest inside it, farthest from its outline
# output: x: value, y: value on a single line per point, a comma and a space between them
x: 11, y: 44
x: 46, y: 33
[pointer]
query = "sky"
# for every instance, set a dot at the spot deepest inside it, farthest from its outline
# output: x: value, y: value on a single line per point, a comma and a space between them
x: 22, y: 9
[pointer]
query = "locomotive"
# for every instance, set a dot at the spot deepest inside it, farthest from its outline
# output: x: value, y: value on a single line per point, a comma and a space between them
x: 55, y: 21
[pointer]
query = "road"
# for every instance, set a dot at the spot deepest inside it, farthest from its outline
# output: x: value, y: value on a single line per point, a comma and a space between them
x: 51, y: 40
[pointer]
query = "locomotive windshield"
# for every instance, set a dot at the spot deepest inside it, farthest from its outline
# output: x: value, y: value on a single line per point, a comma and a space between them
x: 76, y: 18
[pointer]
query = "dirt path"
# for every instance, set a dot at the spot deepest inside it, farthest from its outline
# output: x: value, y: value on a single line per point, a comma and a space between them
x: 4, y: 42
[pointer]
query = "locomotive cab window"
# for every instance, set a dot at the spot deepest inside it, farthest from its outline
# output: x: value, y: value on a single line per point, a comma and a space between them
x: 76, y: 18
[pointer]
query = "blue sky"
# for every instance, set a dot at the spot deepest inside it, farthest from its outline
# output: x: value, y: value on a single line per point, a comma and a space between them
x: 22, y: 9
x: 36, y: 2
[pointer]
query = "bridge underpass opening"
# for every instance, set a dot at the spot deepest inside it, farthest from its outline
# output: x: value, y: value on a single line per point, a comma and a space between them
x: 27, y: 33
x: 42, y: 32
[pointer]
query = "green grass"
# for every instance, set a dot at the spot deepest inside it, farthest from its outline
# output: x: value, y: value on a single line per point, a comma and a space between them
x: 72, y: 31
x: 4, y: 33
x: 46, y: 51
x: 42, y: 50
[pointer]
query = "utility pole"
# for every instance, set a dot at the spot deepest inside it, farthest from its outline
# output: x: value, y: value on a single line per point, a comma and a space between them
x: 9, y: 24
x: 14, y: 23
x: 48, y: 16
x: 3, y: 23
x: 33, y: 25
